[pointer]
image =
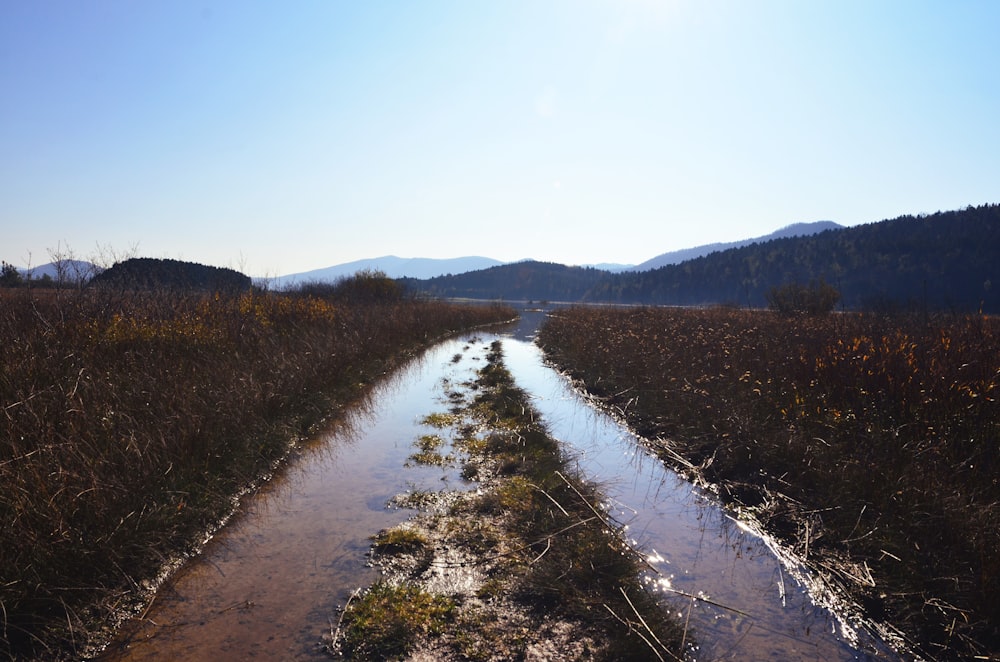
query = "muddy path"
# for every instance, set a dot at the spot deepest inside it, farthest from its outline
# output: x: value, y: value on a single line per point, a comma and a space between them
x: 268, y: 585
x: 271, y: 584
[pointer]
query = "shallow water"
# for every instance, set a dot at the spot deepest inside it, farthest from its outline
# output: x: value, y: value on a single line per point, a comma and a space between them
x: 270, y: 584
x: 749, y: 605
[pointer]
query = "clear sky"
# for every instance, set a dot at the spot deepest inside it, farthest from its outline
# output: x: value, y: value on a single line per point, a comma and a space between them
x: 279, y: 137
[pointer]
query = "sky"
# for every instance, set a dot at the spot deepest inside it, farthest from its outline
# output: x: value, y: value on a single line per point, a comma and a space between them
x: 280, y: 137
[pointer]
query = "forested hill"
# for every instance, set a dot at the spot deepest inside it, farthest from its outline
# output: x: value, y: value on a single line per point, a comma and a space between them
x: 145, y: 273
x: 519, y: 281
x: 943, y: 261
x: 947, y: 260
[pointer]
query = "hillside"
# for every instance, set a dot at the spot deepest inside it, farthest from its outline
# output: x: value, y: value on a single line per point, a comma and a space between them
x: 943, y: 261
x: 519, y: 281
x: 685, y: 254
x: 145, y: 273
x: 946, y: 260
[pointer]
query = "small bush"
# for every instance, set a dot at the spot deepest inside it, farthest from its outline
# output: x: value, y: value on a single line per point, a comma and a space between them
x: 366, y: 287
x: 816, y: 298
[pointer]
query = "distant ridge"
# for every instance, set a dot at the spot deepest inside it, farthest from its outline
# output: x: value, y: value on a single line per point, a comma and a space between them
x: 391, y: 266
x: 424, y: 268
x: 793, y: 230
x: 67, y: 270
x: 947, y: 261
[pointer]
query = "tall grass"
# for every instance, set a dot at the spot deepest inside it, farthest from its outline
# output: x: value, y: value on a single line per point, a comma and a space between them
x: 131, y: 419
x: 869, y: 443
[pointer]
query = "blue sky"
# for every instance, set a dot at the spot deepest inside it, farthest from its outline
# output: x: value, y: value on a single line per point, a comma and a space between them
x: 279, y: 137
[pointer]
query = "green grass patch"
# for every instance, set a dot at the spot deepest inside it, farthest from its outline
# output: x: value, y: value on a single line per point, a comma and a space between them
x: 429, y: 451
x: 386, y: 622
x: 440, y: 420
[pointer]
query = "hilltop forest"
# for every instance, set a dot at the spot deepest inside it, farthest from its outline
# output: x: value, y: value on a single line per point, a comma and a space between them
x: 941, y: 261
x: 146, y: 273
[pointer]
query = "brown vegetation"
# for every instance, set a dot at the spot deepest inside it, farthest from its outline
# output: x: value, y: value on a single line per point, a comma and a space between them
x: 869, y: 444
x: 130, y: 420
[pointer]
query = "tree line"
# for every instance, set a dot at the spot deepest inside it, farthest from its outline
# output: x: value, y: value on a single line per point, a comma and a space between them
x: 941, y: 261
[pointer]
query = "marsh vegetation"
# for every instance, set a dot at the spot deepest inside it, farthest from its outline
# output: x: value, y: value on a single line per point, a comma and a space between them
x: 866, y: 443
x: 132, y: 419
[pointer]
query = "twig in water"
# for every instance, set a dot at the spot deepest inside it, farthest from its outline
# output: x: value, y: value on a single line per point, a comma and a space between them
x: 642, y: 620
x: 604, y: 520
x: 706, y: 601
x: 148, y: 607
x: 551, y: 499
x: 246, y: 604
x: 340, y: 621
x: 687, y: 619
x: 632, y: 628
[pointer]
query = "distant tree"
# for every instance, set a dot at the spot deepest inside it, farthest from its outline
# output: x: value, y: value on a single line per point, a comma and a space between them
x: 9, y: 275
x: 816, y: 298
x: 367, y: 287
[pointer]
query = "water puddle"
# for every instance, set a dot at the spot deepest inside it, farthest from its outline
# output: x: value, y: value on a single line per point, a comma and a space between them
x: 269, y: 585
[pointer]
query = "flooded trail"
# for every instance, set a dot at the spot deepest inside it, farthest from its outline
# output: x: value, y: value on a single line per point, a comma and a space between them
x: 270, y: 584
x: 740, y: 601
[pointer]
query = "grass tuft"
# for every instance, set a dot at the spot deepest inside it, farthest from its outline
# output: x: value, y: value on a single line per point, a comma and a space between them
x: 388, y: 619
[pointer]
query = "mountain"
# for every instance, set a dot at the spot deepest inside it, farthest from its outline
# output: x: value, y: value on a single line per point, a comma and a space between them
x: 676, y: 257
x: 942, y: 261
x: 543, y: 281
x: 392, y: 266
x: 63, y: 270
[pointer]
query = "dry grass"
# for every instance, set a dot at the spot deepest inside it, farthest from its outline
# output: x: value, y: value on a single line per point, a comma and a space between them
x: 852, y: 437
x: 128, y: 421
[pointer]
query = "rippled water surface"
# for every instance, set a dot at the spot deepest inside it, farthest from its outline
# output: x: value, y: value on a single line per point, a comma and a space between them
x: 270, y: 584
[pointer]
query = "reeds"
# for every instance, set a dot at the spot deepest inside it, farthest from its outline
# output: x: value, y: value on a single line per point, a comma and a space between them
x: 129, y: 420
x: 863, y: 441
